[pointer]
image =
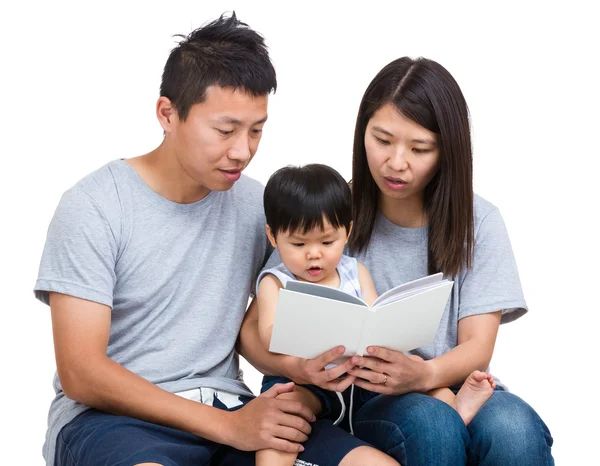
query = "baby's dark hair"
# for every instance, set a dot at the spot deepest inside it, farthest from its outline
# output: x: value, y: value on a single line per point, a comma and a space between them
x: 299, y: 198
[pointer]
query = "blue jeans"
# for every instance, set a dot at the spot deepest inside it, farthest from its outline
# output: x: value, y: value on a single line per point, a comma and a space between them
x: 417, y: 429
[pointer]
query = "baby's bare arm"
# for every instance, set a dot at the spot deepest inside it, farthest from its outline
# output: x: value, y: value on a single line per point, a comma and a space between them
x: 366, y: 284
x: 266, y: 298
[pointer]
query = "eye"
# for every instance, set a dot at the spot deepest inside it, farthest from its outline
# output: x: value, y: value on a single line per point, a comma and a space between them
x: 421, y: 151
x: 383, y: 142
x: 223, y: 132
x: 298, y: 245
x: 256, y: 132
x: 328, y: 243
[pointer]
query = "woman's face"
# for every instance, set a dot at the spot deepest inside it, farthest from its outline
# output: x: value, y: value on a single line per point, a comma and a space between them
x: 402, y: 155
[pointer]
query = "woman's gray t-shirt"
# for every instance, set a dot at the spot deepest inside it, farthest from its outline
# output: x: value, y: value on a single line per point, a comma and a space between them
x: 396, y: 255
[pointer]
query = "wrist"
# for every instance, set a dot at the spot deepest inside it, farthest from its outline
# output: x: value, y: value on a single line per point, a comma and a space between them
x: 430, y: 375
x: 221, y: 427
x: 288, y: 367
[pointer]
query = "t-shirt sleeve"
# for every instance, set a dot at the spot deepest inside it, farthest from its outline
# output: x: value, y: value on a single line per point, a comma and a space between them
x: 80, y: 252
x: 493, y: 282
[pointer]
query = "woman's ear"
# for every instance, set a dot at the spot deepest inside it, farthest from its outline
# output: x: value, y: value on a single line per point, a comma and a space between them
x: 271, y: 236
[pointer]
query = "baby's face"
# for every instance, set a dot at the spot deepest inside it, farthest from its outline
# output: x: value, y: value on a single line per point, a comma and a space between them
x: 313, y: 256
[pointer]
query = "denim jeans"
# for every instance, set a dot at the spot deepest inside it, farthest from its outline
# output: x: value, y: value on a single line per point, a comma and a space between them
x: 417, y: 429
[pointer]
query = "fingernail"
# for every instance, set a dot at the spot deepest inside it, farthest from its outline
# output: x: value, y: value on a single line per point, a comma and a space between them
x: 370, y: 350
x: 340, y: 350
x: 301, y: 448
x: 314, y: 418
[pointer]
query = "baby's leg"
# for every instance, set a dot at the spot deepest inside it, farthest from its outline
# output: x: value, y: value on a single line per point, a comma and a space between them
x: 276, y: 457
x: 476, y: 390
x: 368, y: 455
x: 444, y: 394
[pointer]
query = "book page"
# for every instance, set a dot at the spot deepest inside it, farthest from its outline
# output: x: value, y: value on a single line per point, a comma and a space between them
x: 401, y: 290
x: 408, y: 323
x: 323, y: 291
x: 306, y: 326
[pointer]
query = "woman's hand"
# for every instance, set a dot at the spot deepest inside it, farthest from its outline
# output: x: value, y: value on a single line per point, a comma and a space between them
x: 391, y: 372
x: 313, y: 372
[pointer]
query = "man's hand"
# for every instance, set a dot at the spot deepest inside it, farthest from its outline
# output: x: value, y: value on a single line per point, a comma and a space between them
x: 266, y: 422
x: 313, y: 372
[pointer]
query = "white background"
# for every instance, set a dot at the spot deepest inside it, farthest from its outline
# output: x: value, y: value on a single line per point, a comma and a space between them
x: 79, y: 83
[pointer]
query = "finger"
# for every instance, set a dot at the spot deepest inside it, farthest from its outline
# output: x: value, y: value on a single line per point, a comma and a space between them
x: 337, y: 371
x: 371, y: 376
x: 374, y: 364
x: 384, y: 353
x: 328, y: 357
x: 374, y: 387
x: 291, y: 434
x: 284, y: 445
x: 299, y: 410
x: 278, y: 389
x: 341, y: 384
x: 294, y: 422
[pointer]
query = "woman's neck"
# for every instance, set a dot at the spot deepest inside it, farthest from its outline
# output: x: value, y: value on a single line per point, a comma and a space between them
x: 406, y: 213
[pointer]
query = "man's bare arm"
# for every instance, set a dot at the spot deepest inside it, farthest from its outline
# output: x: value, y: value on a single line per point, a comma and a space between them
x: 81, y: 332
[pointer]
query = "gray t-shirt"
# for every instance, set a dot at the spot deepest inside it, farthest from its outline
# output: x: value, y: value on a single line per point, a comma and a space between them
x: 396, y: 255
x: 177, y: 277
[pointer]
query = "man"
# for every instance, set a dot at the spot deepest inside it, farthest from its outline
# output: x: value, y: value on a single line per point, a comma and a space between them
x: 147, y: 268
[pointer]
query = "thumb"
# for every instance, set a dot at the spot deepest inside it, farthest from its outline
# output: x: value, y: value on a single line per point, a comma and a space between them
x: 277, y: 389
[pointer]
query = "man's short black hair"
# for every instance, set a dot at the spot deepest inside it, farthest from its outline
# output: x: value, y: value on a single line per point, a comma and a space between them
x: 224, y: 52
x: 300, y: 198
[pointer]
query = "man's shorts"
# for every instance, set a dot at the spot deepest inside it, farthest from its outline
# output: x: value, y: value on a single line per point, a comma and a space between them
x: 95, y: 438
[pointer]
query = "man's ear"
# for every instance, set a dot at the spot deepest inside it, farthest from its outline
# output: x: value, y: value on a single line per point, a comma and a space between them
x: 166, y: 114
x: 271, y: 236
x: 349, y: 232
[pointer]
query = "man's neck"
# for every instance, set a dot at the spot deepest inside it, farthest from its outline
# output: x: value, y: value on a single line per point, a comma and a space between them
x: 406, y: 213
x: 163, y: 173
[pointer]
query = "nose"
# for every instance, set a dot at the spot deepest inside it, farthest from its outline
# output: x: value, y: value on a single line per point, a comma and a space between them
x: 314, y: 252
x: 399, y: 162
x: 240, y: 150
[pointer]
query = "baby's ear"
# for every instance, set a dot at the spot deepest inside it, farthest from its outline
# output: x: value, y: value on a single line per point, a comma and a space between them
x: 349, y: 232
x: 271, y: 236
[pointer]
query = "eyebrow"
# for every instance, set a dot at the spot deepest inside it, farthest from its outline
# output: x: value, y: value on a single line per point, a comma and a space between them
x: 302, y: 238
x: 234, y: 121
x: 417, y: 141
x: 424, y: 141
x: 381, y: 130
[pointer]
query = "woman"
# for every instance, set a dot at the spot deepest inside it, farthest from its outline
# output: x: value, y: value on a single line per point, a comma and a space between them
x: 415, y: 214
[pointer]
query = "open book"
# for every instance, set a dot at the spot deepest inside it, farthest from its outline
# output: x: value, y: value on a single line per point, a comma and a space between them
x: 311, y: 319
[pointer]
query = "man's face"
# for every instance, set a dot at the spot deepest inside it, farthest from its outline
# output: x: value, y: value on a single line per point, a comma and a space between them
x: 219, y: 137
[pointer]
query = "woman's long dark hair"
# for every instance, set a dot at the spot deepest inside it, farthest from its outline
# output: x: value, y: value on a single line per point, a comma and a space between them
x: 425, y: 92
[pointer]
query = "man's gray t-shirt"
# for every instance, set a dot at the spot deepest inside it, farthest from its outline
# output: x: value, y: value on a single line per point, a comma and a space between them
x: 396, y: 255
x: 177, y: 277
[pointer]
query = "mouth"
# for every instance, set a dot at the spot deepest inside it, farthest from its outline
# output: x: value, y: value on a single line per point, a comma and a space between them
x: 395, y: 183
x: 313, y: 271
x: 232, y: 175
